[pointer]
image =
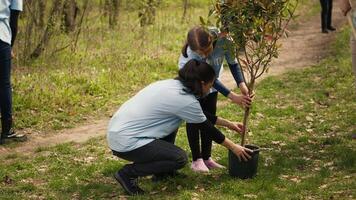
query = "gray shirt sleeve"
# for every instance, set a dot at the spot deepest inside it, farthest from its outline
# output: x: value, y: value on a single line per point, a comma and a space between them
x: 192, y: 113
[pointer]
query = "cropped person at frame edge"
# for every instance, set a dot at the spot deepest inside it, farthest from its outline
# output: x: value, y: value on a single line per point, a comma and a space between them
x: 348, y: 9
x: 9, y: 12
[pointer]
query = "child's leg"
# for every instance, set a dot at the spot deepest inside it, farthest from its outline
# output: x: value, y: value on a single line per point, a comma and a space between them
x: 208, y: 104
x: 193, y: 139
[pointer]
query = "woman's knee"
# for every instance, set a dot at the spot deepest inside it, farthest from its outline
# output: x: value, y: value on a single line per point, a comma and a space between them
x: 181, y: 159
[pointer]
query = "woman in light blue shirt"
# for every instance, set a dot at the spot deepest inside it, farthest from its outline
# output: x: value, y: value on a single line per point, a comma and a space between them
x: 9, y: 12
x: 213, y: 47
x: 143, y: 129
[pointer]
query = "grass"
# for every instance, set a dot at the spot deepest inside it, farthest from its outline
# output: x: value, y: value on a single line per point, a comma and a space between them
x: 303, y: 120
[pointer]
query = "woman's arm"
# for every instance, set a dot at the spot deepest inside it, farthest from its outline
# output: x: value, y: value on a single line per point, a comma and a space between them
x: 235, y: 126
x: 208, y: 128
x: 14, y: 16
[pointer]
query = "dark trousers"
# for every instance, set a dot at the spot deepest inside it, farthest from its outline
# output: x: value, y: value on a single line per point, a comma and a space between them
x: 5, y: 83
x: 326, y: 11
x: 158, y: 157
x: 208, y: 104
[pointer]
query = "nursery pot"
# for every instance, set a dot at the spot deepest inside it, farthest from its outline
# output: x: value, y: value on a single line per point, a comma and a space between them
x: 244, y: 169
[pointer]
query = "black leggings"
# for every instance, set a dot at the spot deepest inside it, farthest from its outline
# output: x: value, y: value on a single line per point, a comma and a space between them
x: 208, y: 105
x: 158, y: 157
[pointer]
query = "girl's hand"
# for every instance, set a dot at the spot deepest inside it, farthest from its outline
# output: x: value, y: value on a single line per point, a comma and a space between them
x: 243, y: 88
x: 242, y: 100
x: 235, y: 126
x: 241, y: 152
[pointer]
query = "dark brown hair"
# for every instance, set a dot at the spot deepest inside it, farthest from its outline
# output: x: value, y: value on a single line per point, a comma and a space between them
x: 198, y: 38
x: 193, y: 73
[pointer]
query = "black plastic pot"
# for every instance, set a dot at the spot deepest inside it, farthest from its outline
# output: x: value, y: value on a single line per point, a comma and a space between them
x: 244, y: 169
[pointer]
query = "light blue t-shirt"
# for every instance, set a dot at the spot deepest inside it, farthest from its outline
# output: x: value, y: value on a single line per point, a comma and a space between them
x: 5, y: 6
x: 153, y: 113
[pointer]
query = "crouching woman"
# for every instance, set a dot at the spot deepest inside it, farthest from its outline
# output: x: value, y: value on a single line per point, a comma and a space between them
x: 143, y: 130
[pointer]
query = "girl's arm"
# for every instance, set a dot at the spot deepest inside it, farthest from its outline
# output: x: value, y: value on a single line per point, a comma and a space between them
x: 237, y: 74
x: 242, y: 100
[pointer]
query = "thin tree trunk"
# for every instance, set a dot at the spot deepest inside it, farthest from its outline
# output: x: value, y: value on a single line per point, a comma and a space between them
x: 69, y: 15
x: 114, y: 13
x: 185, y: 8
x: 41, y: 12
x: 49, y: 30
x: 251, y: 88
x: 85, y: 7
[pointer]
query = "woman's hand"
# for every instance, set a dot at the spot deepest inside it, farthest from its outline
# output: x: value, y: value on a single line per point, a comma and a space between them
x: 241, y: 152
x: 242, y: 100
x: 236, y: 126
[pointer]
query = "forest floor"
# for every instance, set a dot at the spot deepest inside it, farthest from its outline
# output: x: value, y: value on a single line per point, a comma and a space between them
x: 305, y: 46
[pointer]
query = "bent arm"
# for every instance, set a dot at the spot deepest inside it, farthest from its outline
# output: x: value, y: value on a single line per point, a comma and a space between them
x: 14, y: 16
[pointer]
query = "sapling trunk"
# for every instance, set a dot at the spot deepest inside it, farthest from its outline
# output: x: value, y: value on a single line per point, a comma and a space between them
x: 247, y: 114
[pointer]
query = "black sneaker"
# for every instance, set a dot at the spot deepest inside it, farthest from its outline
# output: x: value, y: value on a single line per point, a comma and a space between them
x: 15, y: 136
x: 324, y: 31
x: 129, y: 184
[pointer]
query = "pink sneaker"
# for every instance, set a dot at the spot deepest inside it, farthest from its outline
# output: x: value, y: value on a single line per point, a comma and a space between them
x: 199, y: 166
x: 211, y: 164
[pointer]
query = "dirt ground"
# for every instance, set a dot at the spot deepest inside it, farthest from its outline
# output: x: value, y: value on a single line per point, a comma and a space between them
x: 305, y: 46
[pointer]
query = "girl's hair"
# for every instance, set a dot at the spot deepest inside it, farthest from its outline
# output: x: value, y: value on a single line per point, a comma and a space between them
x: 193, y: 73
x: 198, y: 38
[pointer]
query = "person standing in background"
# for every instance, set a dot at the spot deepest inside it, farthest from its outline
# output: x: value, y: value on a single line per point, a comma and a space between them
x: 326, y: 11
x: 9, y: 13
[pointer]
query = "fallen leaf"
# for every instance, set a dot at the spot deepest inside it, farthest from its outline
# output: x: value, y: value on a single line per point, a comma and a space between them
x: 260, y: 115
x: 201, y: 189
x: 309, y: 130
x: 195, y: 194
x: 251, y: 196
x: 154, y: 192
x: 276, y: 142
x: 323, y: 186
x: 295, y: 179
x: 309, y: 119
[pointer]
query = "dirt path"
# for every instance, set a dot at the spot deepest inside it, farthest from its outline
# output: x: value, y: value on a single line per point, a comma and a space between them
x: 306, y: 46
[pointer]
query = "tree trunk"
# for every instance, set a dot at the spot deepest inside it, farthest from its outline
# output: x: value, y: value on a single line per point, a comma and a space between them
x: 70, y: 11
x: 111, y: 10
x: 41, y: 12
x: 49, y: 30
x: 251, y: 88
x: 185, y: 8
